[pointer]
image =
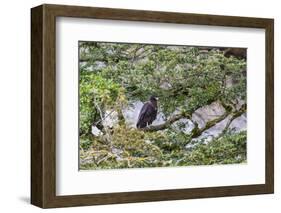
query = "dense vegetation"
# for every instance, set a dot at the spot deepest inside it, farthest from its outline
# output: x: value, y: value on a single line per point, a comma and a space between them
x: 185, y: 79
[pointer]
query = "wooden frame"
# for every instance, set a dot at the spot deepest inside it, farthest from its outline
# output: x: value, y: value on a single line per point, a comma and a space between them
x: 43, y: 106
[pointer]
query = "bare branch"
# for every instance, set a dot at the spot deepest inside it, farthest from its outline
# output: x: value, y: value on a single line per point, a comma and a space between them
x: 106, y: 130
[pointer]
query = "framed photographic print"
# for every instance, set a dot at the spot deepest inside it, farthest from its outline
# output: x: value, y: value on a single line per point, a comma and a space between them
x: 135, y: 106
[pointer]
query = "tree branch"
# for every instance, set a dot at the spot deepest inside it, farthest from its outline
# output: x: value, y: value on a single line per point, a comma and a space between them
x: 196, y: 132
x: 167, y: 123
x: 106, y: 130
x: 91, y: 59
x: 234, y: 115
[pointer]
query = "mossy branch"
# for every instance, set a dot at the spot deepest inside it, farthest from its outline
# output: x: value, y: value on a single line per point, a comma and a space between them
x: 167, y: 123
x: 235, y: 115
x: 196, y: 132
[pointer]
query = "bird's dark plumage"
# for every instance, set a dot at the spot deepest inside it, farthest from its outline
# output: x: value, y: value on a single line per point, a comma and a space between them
x: 148, y: 113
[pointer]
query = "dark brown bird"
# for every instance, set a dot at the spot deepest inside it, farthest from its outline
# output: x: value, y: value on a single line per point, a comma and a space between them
x: 148, y: 113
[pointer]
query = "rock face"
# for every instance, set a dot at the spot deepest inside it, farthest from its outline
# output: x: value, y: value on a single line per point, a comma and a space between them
x: 200, y: 116
x: 131, y: 113
x: 239, y: 124
x: 96, y: 131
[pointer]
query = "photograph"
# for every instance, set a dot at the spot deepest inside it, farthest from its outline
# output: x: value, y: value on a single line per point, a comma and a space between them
x: 161, y: 105
x: 151, y: 105
x: 144, y: 105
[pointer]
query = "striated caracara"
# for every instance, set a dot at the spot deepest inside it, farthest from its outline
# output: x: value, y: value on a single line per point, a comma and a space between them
x: 148, y: 113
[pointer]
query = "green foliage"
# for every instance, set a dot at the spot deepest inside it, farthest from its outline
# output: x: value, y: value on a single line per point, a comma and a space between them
x: 183, y: 78
x: 229, y: 149
x: 96, y: 91
x: 136, y: 149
